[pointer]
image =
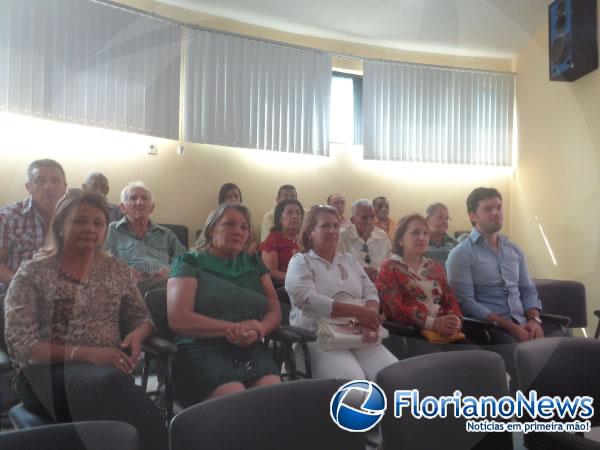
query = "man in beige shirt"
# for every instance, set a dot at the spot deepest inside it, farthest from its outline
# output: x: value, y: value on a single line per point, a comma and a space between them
x: 286, y: 192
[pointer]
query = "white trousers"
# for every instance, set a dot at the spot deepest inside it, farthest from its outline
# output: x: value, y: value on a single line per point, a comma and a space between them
x: 357, y: 364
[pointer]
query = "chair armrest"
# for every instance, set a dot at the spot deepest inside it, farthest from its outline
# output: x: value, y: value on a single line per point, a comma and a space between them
x: 5, y: 362
x: 479, y: 322
x: 290, y: 334
x: 399, y: 329
x: 563, y: 321
x: 159, y: 346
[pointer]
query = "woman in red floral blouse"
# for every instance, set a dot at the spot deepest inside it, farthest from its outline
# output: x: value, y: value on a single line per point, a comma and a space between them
x: 413, y: 288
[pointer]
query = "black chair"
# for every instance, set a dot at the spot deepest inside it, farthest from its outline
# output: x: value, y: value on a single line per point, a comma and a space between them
x: 181, y: 231
x: 6, y: 365
x: 100, y: 435
x: 283, y: 350
x: 162, y: 349
x: 401, y: 335
x: 562, y: 298
x: 291, y: 416
x: 474, y: 372
x: 560, y: 367
x: 19, y: 416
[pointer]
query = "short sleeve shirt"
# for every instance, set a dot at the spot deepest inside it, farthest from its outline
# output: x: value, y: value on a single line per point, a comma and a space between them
x: 285, y: 248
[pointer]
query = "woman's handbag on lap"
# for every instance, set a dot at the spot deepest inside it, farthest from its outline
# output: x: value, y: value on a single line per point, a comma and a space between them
x: 345, y: 333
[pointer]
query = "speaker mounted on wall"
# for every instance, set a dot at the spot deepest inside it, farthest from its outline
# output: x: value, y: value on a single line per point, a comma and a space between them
x: 572, y: 37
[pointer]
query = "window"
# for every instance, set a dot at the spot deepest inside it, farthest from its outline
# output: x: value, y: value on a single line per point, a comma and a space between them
x: 345, y: 123
x: 437, y: 115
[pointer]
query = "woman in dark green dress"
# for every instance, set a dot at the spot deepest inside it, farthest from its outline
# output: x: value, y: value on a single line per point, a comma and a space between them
x: 221, y: 303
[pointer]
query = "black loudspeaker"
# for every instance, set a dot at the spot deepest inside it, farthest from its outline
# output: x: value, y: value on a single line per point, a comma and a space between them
x: 572, y: 29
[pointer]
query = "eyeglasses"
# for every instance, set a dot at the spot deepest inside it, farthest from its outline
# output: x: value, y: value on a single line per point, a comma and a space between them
x: 365, y: 248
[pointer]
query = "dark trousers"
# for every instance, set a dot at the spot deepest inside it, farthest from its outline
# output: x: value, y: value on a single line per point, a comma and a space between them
x: 82, y: 391
x: 415, y: 345
x: 504, y: 344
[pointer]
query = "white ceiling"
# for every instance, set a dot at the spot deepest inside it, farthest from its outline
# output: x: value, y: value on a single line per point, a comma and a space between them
x: 493, y: 28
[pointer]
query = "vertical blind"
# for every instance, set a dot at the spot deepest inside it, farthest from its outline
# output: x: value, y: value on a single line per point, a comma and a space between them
x: 251, y: 94
x: 437, y: 115
x: 92, y: 64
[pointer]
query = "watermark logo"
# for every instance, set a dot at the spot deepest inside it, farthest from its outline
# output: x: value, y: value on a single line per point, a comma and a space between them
x: 358, y: 406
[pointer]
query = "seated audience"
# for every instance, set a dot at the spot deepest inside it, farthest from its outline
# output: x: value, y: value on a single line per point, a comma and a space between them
x: 440, y: 243
x: 98, y: 183
x: 489, y: 275
x: 369, y: 244
x: 230, y: 192
x: 145, y: 246
x: 381, y: 208
x: 64, y: 313
x: 314, y: 277
x: 24, y: 224
x: 221, y: 303
x: 338, y: 201
x: 285, y: 192
x: 413, y: 288
x: 282, y: 242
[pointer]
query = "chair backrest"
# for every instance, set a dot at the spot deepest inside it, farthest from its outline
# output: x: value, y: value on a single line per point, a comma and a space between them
x: 156, y: 301
x: 100, y: 435
x: 562, y: 366
x: 2, y: 341
x: 475, y: 372
x: 284, y: 303
x: 565, y: 298
x: 181, y: 231
x: 292, y: 415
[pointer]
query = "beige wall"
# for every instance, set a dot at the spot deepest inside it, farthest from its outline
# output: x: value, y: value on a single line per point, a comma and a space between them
x: 558, y: 171
x: 186, y: 186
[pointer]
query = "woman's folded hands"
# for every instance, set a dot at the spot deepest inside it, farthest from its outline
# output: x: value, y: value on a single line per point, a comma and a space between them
x: 241, y: 334
x: 447, y: 325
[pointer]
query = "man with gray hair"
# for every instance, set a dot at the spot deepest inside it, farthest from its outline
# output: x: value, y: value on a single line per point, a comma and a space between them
x: 369, y: 244
x: 98, y: 183
x: 440, y: 243
x: 24, y: 224
x: 143, y: 245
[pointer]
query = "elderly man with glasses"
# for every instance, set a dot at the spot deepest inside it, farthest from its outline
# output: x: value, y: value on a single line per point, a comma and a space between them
x: 369, y: 244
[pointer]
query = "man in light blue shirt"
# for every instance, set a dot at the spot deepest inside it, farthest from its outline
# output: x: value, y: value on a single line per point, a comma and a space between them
x: 489, y: 276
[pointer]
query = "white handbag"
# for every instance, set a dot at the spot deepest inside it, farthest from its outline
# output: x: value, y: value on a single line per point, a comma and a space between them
x: 345, y: 333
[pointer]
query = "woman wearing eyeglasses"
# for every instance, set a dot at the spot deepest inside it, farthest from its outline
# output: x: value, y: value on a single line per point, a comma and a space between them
x: 318, y: 274
x: 414, y: 290
x: 282, y: 242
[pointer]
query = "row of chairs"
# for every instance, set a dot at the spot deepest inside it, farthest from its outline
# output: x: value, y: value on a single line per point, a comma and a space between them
x: 161, y: 347
x: 296, y: 414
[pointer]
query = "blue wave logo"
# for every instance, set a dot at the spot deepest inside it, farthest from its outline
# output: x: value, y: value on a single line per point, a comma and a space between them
x: 358, y: 406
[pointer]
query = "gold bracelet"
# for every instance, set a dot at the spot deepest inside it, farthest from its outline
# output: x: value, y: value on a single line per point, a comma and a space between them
x: 73, y: 351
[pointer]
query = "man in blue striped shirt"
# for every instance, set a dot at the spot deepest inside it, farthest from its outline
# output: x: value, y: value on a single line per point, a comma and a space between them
x: 145, y: 246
